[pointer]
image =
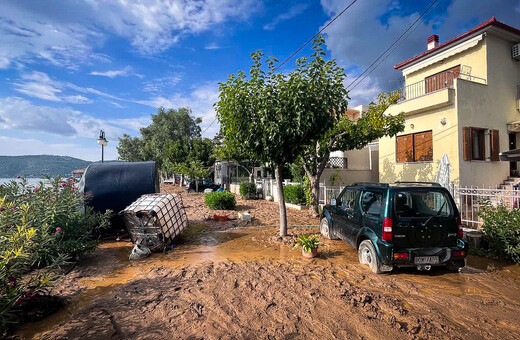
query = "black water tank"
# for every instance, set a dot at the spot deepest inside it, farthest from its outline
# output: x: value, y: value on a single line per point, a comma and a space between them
x: 114, y: 185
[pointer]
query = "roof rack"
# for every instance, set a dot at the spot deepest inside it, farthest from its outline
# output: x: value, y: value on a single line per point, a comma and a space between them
x: 433, y: 184
x: 381, y: 185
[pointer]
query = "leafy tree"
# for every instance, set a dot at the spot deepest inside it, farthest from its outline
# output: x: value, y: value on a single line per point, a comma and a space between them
x: 194, y: 169
x: 167, y: 137
x: 345, y: 134
x: 274, y: 115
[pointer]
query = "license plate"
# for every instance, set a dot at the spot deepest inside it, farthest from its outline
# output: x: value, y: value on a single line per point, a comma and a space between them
x: 426, y: 260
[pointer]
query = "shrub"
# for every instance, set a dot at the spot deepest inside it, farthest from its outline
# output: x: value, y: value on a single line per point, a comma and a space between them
x: 308, y: 243
x: 40, y: 227
x: 248, y: 190
x: 220, y: 200
x: 294, y: 194
x: 502, y: 228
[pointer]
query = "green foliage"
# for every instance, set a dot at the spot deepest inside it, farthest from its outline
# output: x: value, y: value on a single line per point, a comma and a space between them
x: 307, y: 243
x: 220, y: 200
x: 502, y: 231
x: 294, y: 194
x: 40, y: 227
x: 194, y: 170
x: 335, y: 179
x: 345, y: 134
x: 273, y: 115
x: 297, y: 173
x: 173, y: 136
x: 39, y: 165
x: 248, y: 190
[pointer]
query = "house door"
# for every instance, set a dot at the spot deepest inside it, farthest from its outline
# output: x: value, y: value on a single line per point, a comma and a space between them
x: 513, y: 166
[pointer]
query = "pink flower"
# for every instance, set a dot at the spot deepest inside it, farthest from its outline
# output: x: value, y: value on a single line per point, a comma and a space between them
x: 58, y: 229
x: 36, y: 190
x: 18, y: 176
x: 15, y: 208
x: 63, y: 184
x: 2, y: 209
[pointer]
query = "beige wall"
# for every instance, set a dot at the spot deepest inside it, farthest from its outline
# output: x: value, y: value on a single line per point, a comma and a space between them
x: 474, y: 57
x: 489, y: 106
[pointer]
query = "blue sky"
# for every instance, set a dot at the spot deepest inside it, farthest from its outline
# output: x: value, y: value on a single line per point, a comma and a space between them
x: 70, y: 68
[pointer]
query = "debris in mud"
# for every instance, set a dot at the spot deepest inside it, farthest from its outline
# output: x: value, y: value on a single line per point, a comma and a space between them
x: 154, y: 221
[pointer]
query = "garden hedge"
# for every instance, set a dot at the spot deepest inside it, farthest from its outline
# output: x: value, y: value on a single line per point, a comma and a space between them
x: 248, y: 190
x: 294, y: 194
x: 220, y: 200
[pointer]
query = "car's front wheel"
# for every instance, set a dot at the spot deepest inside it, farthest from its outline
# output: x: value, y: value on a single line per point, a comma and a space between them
x: 325, y: 229
x: 367, y: 255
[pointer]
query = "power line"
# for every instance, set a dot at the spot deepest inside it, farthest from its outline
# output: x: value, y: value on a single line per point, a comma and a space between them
x: 299, y: 49
x: 379, y: 63
x: 392, y: 45
x: 314, y: 36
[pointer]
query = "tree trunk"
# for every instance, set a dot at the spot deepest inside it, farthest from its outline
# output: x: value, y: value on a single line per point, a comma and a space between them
x: 314, y: 181
x: 281, y: 201
x: 196, y: 185
x: 181, y: 180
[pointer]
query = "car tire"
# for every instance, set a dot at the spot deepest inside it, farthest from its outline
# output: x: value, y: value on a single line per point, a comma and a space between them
x: 367, y: 255
x: 325, y: 229
x: 454, y: 266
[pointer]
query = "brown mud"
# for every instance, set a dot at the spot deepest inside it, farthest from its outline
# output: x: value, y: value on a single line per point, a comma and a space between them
x: 238, y: 283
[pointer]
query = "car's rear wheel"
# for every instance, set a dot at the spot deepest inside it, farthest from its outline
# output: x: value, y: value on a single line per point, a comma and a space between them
x: 367, y: 255
x: 325, y: 229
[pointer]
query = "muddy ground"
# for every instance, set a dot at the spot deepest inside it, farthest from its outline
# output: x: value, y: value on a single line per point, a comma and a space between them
x: 224, y: 281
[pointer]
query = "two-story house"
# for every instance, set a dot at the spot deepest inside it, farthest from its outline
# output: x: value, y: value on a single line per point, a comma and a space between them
x: 460, y: 99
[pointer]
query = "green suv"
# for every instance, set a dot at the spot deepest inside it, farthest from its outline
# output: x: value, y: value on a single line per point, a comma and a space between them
x: 406, y: 224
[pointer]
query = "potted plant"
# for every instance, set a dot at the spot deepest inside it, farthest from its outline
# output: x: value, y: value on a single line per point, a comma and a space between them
x: 309, y: 245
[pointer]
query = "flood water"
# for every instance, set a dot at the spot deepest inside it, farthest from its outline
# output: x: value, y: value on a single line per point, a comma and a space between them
x: 110, y: 267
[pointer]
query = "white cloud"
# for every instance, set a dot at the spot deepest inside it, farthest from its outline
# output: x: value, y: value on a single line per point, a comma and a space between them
x: 291, y: 13
x: 20, y: 114
x: 200, y: 100
x: 212, y: 46
x: 127, y: 71
x: 162, y: 84
x: 39, y: 85
x: 67, y: 33
x: 359, y: 36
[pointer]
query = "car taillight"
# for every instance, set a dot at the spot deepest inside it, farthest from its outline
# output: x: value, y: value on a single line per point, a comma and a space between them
x: 387, y: 229
x: 401, y: 256
x: 459, y: 224
x: 457, y: 253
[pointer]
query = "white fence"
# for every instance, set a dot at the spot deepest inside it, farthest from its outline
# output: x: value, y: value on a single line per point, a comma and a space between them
x: 470, y: 201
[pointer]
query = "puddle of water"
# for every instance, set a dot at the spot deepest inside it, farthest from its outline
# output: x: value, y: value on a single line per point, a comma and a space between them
x: 196, y: 245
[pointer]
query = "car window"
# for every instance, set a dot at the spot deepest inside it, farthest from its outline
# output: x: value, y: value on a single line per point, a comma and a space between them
x: 348, y: 199
x: 205, y: 182
x: 372, y: 203
x: 422, y: 204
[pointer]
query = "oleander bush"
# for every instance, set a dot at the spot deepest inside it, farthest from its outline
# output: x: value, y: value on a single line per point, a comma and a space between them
x: 41, y: 227
x: 294, y: 194
x: 502, y: 231
x: 220, y: 200
x: 248, y: 190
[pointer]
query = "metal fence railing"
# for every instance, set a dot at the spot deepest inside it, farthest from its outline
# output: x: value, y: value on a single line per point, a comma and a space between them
x: 470, y: 201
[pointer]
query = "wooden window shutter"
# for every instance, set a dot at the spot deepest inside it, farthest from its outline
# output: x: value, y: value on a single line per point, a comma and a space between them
x: 404, y: 149
x: 423, y: 146
x: 467, y: 145
x: 494, y: 146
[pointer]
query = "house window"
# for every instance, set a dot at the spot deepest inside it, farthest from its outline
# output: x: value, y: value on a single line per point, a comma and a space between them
x: 415, y: 147
x: 474, y: 144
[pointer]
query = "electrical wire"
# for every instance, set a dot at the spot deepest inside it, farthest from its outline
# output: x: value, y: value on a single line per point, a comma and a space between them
x: 368, y: 69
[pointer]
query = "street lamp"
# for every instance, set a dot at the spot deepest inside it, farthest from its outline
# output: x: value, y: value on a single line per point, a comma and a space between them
x: 103, y: 142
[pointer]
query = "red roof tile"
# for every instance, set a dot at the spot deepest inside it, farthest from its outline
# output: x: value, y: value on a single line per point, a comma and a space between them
x: 491, y: 22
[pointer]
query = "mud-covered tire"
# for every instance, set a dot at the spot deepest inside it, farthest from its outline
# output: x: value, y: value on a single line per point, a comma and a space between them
x: 325, y: 229
x: 367, y: 255
x: 455, y: 265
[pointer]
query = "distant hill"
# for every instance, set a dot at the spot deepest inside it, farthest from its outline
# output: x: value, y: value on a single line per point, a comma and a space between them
x: 39, y: 166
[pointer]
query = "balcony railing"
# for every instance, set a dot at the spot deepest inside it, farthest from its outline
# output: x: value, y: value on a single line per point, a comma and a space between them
x: 438, y: 82
x: 337, y: 163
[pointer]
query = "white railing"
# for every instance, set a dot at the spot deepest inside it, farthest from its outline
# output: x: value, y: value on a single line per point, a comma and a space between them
x: 470, y: 201
x: 326, y: 193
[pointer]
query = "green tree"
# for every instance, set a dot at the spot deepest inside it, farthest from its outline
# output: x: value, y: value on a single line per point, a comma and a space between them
x: 131, y: 149
x: 345, y: 134
x: 274, y: 115
x: 194, y: 169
